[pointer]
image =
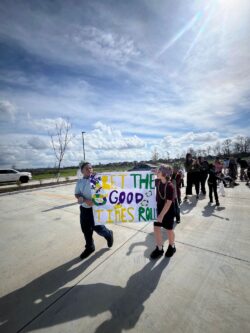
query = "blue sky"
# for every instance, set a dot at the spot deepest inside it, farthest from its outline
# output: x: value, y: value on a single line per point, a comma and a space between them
x: 134, y: 75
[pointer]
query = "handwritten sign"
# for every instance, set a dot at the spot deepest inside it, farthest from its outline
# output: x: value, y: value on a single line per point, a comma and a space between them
x: 123, y: 197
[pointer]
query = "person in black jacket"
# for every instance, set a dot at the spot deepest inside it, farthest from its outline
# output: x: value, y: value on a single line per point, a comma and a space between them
x: 212, y: 184
x: 203, y: 173
x: 188, y: 168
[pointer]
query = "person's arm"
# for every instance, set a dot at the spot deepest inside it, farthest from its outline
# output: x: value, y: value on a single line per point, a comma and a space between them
x: 164, y: 211
x: 80, y: 198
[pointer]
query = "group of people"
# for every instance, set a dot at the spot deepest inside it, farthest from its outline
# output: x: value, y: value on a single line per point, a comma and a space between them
x: 168, y: 185
x: 167, y: 195
x: 220, y: 172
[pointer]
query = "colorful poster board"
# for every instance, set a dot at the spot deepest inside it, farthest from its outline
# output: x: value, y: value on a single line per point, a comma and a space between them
x: 122, y: 197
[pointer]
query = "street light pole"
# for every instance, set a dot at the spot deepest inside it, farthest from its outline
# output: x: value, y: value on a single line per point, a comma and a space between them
x: 83, y: 146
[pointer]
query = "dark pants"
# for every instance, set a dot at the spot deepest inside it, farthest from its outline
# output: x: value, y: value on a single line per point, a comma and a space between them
x: 196, y: 182
x: 203, y: 178
x: 88, y: 227
x: 213, y: 188
x: 177, y: 210
x: 189, y: 183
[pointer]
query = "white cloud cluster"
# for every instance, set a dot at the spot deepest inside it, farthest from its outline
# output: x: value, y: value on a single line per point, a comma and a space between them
x: 37, y: 143
x: 104, y: 137
x: 7, y: 111
x: 104, y: 45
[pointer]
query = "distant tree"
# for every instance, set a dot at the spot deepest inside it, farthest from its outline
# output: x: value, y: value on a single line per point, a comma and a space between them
x: 168, y: 155
x: 226, y: 147
x: 59, y: 141
x: 208, y: 150
x: 155, y: 155
x: 246, y: 144
x: 192, y: 151
x: 217, y: 149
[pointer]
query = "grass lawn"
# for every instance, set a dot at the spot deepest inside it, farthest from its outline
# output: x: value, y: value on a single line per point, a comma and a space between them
x: 73, y: 171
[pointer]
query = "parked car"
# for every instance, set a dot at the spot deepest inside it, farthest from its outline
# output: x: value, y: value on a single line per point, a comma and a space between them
x: 143, y: 167
x: 12, y: 175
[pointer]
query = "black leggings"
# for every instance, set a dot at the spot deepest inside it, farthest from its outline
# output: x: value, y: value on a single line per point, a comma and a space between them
x: 193, y: 179
x: 213, y: 188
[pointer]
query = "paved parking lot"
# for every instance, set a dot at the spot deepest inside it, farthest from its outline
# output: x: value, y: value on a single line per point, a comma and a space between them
x: 204, y: 288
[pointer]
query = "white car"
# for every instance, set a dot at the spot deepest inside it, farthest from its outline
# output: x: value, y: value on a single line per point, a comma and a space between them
x: 12, y: 175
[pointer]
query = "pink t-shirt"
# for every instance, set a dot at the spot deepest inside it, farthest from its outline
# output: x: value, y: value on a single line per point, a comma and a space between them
x: 218, y: 166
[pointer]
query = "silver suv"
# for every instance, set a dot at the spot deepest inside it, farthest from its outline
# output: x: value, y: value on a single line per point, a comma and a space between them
x: 12, y: 175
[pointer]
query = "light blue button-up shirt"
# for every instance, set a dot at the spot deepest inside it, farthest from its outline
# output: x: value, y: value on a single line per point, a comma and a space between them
x: 83, y: 188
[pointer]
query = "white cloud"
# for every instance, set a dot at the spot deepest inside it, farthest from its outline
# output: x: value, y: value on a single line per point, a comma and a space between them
x: 104, y: 137
x: 104, y: 45
x: 7, y: 111
x: 38, y: 143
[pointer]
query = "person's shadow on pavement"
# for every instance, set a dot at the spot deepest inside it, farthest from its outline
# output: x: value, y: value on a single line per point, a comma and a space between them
x: 188, y: 205
x: 209, y: 210
x: 27, y: 302
x: 126, y: 304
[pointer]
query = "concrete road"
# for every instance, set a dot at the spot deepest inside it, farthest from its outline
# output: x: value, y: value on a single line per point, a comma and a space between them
x: 204, y: 288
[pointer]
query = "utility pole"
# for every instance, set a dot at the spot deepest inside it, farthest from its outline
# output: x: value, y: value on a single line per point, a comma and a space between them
x: 83, y: 149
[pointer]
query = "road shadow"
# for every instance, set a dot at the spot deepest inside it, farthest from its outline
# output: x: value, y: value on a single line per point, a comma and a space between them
x: 148, y: 243
x: 60, y: 207
x: 188, y: 205
x: 125, y: 304
x: 209, y: 210
x: 23, y: 304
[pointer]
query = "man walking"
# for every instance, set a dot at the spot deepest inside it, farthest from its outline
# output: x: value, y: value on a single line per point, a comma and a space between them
x: 83, y: 195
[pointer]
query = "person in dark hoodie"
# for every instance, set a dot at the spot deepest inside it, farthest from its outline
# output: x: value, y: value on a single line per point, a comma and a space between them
x: 212, y: 184
x: 203, y: 173
x: 188, y: 168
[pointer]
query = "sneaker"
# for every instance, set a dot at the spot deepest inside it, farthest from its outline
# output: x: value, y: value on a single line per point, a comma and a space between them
x: 86, y: 253
x: 170, y: 251
x: 110, y: 240
x: 156, y: 253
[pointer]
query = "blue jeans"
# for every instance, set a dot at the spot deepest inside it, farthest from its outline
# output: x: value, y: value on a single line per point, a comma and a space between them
x: 88, y: 227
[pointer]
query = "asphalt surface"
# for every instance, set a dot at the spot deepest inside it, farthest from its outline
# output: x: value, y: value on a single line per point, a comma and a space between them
x: 204, y: 287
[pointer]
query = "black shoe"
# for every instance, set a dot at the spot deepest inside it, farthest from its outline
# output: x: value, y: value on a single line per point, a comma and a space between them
x: 197, y: 196
x: 170, y: 251
x: 178, y: 221
x: 110, y: 240
x: 217, y: 203
x: 86, y: 253
x: 156, y: 253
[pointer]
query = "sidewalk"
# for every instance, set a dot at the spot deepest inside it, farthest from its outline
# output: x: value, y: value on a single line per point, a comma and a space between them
x: 14, y: 187
x: 204, y: 288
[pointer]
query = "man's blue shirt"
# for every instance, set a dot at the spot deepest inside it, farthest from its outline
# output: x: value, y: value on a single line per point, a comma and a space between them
x: 83, y: 188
